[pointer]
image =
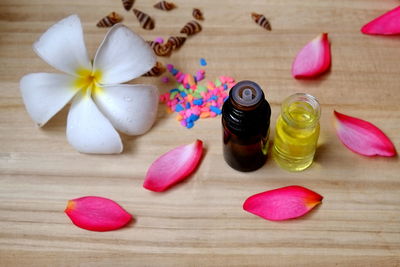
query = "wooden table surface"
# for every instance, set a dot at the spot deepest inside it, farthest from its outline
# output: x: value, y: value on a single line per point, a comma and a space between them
x: 201, y: 222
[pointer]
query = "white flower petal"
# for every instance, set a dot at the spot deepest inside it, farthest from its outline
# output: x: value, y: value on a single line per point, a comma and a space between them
x: 123, y: 56
x: 62, y: 46
x: 88, y: 131
x: 132, y: 109
x: 44, y: 94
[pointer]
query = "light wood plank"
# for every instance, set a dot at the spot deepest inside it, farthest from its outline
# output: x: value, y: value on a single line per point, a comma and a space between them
x: 201, y: 222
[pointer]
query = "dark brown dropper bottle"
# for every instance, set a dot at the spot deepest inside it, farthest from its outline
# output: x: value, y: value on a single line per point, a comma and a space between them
x: 245, y: 121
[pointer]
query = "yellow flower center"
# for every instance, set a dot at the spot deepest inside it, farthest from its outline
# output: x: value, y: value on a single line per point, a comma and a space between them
x: 88, y: 81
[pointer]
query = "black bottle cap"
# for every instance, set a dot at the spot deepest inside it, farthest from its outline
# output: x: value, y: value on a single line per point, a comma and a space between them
x: 246, y: 112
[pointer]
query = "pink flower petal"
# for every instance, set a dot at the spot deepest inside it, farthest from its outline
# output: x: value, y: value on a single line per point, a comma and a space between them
x: 97, y: 214
x: 362, y: 137
x: 173, y: 167
x: 386, y: 24
x: 313, y: 59
x: 283, y: 203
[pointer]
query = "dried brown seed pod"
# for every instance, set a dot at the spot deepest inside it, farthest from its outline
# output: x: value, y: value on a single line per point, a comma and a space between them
x: 109, y: 20
x: 162, y: 50
x: 145, y: 20
x: 157, y: 70
x: 164, y: 5
x: 197, y: 14
x: 128, y: 4
x: 192, y: 27
x: 261, y: 20
x: 176, y: 41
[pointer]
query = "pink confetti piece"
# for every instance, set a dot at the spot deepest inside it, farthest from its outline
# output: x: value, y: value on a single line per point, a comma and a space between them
x: 159, y: 40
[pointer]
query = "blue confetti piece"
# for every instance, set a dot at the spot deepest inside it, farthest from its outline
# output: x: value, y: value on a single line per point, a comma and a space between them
x: 174, y: 71
x: 178, y: 108
x: 213, y: 97
x: 189, y: 125
x: 187, y: 86
x: 225, y: 86
x: 174, y: 90
x: 215, y: 110
x: 203, y: 62
x: 198, y: 102
x: 183, y: 94
x: 193, y: 117
x: 187, y: 105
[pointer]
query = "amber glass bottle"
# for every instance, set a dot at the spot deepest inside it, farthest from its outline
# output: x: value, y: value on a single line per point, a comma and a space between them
x: 245, y: 121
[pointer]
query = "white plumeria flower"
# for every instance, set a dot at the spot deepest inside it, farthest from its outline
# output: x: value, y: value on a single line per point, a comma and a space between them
x: 99, y: 102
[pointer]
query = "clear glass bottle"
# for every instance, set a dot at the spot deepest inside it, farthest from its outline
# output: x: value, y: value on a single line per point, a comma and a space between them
x: 297, y: 132
x: 245, y: 121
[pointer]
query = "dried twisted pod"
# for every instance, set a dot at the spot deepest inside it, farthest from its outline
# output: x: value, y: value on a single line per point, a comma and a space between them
x: 109, y: 20
x: 128, y: 4
x: 157, y: 70
x: 145, y: 20
x: 261, y: 20
x: 197, y: 14
x: 164, y: 5
x: 176, y: 41
x: 191, y: 28
x: 162, y: 50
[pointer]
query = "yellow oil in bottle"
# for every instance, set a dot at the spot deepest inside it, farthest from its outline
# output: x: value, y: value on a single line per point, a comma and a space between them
x: 297, y: 132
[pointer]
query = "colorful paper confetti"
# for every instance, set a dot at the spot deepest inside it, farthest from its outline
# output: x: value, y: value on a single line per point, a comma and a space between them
x: 191, y: 100
x: 203, y: 62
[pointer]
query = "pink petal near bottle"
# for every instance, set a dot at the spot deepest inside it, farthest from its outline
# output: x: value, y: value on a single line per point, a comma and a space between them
x: 362, y: 137
x: 314, y: 59
x: 386, y: 24
x: 97, y: 214
x: 173, y: 166
x: 283, y: 203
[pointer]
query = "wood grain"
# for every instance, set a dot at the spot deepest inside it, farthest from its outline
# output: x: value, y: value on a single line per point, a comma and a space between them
x: 201, y: 222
